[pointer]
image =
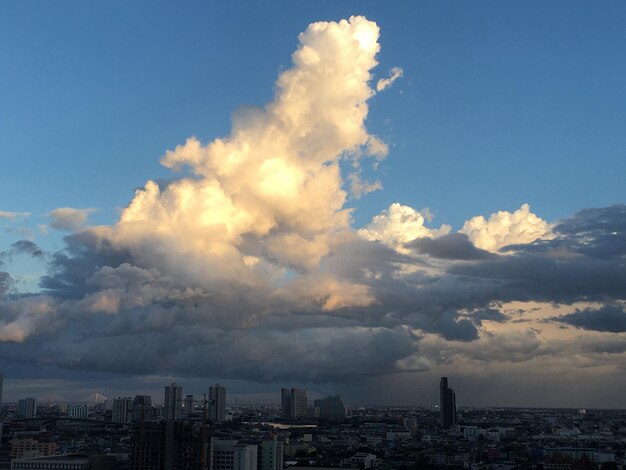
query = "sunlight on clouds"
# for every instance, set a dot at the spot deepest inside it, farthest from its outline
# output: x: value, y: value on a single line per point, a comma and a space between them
x: 506, y: 228
x: 398, y: 225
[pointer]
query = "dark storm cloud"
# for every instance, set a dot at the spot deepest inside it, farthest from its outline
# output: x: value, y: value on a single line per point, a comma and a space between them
x: 453, y: 246
x: 85, y: 253
x: 610, y: 318
x: 585, y: 261
x: 148, y: 319
x: 25, y: 247
x: 6, y: 283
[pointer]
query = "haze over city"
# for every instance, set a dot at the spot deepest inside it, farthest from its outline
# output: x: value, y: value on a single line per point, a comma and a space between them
x: 347, y: 197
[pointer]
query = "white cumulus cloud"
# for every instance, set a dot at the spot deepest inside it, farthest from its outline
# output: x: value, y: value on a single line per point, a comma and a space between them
x: 506, y: 228
x: 398, y: 225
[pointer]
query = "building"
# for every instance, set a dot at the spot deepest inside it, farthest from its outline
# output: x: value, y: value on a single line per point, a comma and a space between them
x: 181, y: 445
x: 30, y: 447
x: 270, y: 455
x: 72, y: 462
x: 122, y: 408
x: 217, y: 403
x: 447, y: 404
x: 330, y: 408
x: 78, y: 411
x: 27, y: 408
x: 293, y: 403
x: 231, y: 455
x: 53, y: 462
x: 189, y: 405
x: 173, y: 402
x: 141, y: 408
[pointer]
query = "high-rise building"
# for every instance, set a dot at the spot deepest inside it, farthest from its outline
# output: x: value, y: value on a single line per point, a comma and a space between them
x: 1, y: 384
x: 231, y: 455
x: 293, y: 403
x: 173, y: 402
x: 142, y: 408
x: 217, y: 403
x: 181, y: 445
x: 27, y: 408
x: 447, y: 403
x: 330, y: 407
x: 270, y: 455
x: 189, y: 406
x: 122, y: 407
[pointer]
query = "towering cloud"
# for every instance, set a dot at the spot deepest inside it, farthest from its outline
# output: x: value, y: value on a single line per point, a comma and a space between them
x: 246, y: 265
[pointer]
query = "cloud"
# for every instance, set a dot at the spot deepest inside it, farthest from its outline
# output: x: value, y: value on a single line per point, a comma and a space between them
x: 246, y: 265
x: 13, y: 215
x: 453, y: 246
x: 505, y: 228
x: 610, y: 318
x: 394, y: 74
x: 398, y: 225
x: 68, y: 218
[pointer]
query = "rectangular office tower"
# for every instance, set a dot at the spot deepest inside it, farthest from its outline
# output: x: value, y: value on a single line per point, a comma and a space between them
x: 27, y: 408
x: 173, y: 407
x: 330, y: 408
x: 447, y: 403
x: 217, y: 403
x: 293, y: 403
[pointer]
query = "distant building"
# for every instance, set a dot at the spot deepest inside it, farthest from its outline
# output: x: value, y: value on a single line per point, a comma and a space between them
x: 217, y: 403
x: 27, y: 408
x: 293, y: 403
x: 70, y: 462
x: 181, y: 445
x: 189, y: 405
x: 141, y: 408
x: 330, y: 408
x: 29, y: 447
x: 173, y: 402
x: 447, y: 403
x: 121, y: 412
x: 78, y: 411
x: 231, y: 455
x: 270, y: 455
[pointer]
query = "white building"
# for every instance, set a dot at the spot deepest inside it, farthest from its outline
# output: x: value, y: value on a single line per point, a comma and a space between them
x: 230, y: 455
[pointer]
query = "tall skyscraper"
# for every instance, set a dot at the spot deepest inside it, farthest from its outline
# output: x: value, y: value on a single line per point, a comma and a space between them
x: 142, y: 408
x: 121, y: 412
x: 217, y: 403
x: 173, y: 402
x: 330, y: 407
x: 447, y: 403
x: 293, y: 403
x: 27, y: 408
x: 189, y: 405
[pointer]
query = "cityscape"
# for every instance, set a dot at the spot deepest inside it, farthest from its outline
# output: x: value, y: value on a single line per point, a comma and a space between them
x: 211, y: 432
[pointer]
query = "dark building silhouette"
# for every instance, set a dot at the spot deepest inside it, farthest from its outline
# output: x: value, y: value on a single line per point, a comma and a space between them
x: 447, y: 403
x: 169, y: 445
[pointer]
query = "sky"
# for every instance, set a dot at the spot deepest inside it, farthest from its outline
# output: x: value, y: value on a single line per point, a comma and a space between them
x: 347, y: 197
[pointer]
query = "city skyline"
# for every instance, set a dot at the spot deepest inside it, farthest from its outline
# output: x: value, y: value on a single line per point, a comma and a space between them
x: 348, y: 199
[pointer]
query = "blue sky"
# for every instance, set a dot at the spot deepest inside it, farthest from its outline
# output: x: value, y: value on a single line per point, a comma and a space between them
x: 500, y: 104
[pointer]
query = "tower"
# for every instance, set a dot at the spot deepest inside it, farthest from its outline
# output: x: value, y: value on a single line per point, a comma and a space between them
x: 173, y: 402
x: 217, y: 403
x: 447, y: 403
